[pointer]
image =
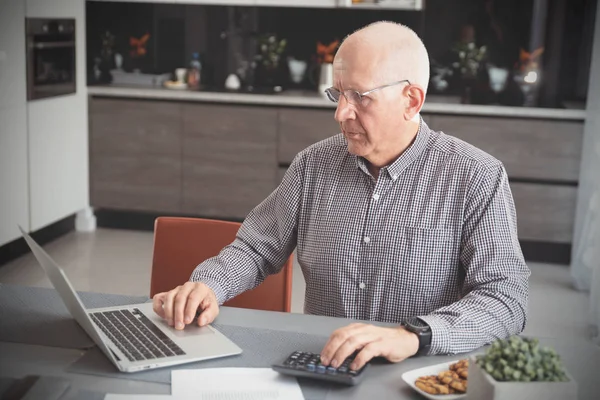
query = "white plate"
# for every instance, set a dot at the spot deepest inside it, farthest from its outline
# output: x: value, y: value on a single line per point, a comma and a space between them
x: 411, y: 376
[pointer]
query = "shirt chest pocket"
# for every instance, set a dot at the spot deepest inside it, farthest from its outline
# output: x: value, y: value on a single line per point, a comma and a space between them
x: 427, y: 261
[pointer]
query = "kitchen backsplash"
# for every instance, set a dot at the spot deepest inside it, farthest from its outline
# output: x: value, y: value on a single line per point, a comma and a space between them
x: 158, y: 38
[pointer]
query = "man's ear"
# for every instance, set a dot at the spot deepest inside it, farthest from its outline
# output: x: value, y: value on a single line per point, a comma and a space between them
x: 416, y: 98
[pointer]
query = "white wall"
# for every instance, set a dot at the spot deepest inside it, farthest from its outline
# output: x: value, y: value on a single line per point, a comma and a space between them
x: 586, y: 237
x: 14, y: 196
x: 58, y: 133
x: 585, y: 266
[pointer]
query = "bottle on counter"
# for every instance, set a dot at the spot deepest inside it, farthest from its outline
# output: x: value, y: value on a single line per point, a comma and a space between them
x: 194, y: 73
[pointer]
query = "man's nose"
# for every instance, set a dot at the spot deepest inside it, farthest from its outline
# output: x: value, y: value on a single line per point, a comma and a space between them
x: 344, y: 110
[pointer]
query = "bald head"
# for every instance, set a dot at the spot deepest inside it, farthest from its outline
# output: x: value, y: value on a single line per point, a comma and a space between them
x: 389, y: 52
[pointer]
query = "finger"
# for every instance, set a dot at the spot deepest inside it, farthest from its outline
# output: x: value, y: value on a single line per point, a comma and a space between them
x: 371, y: 350
x: 157, y: 304
x: 337, y: 338
x: 210, y: 310
x: 353, y: 343
x: 168, y: 304
x: 195, y: 298
x: 180, y: 303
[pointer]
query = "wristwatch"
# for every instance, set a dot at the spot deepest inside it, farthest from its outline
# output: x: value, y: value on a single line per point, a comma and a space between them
x: 423, y: 332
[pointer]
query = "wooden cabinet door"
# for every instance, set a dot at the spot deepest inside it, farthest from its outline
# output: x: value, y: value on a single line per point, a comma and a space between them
x: 545, y: 213
x: 229, y: 158
x: 135, y: 127
x: 139, y: 183
x: 299, y: 128
x: 135, y: 155
x: 529, y: 148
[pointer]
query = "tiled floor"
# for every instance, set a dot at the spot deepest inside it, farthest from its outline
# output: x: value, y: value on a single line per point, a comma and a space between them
x: 93, y: 261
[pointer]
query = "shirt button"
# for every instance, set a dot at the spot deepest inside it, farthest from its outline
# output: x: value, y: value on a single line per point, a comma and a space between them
x: 367, y: 239
x: 376, y: 196
x: 394, y: 177
x: 362, y: 285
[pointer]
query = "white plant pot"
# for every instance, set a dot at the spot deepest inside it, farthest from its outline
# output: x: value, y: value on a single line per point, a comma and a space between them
x: 484, y: 387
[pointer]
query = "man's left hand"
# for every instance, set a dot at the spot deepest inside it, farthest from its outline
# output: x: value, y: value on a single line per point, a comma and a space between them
x: 395, y: 344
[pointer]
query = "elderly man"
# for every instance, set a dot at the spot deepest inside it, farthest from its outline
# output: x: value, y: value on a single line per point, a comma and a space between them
x: 392, y: 222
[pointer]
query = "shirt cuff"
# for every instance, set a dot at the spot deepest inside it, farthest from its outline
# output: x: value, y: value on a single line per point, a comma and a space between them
x: 216, y: 288
x: 440, y: 334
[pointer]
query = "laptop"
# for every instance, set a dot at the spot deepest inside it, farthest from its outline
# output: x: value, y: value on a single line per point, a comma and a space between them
x: 133, y: 337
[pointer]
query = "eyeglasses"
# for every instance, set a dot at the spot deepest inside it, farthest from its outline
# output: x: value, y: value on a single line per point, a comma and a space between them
x: 354, y: 97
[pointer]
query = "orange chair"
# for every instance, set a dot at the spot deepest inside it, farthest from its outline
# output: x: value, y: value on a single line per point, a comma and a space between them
x: 180, y: 244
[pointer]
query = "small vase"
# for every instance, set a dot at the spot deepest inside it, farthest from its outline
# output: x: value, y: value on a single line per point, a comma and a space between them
x: 267, y: 76
x: 466, y: 92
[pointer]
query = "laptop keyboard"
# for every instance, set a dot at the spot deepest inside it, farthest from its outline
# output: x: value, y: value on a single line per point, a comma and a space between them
x: 135, y: 335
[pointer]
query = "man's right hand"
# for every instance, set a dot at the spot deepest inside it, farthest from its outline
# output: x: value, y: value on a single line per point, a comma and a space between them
x: 179, y: 306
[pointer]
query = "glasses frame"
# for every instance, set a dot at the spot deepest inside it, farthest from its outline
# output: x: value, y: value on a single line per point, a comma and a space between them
x: 329, y: 91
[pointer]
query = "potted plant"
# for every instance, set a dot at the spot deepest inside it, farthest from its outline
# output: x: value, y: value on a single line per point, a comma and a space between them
x: 519, y: 368
x: 268, y: 60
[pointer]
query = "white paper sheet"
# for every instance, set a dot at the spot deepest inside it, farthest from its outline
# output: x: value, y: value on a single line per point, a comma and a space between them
x: 234, y: 384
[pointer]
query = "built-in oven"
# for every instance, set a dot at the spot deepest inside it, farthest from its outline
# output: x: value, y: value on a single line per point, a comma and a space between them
x: 50, y: 57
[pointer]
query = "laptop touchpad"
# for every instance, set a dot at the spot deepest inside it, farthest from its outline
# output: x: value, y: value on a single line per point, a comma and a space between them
x: 193, y: 330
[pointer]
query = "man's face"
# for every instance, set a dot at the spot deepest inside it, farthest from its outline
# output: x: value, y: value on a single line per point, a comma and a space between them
x: 371, y: 126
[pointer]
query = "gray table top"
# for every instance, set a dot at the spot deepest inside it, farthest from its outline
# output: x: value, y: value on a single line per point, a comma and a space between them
x: 581, y: 358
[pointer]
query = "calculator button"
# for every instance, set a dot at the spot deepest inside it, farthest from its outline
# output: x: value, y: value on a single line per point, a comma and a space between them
x: 331, y: 370
x: 343, y: 369
x: 311, y: 367
x: 321, y: 369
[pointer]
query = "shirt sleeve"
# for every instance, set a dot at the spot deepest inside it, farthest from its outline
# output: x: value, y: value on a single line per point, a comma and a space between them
x: 263, y: 243
x: 494, y: 294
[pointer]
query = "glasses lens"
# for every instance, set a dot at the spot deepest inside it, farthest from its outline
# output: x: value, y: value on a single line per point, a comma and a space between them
x: 333, y: 94
x: 353, y: 97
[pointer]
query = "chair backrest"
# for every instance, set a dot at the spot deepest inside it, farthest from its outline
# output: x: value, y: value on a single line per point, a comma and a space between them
x: 180, y: 244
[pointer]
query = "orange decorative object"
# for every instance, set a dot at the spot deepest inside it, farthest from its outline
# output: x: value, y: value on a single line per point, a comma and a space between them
x: 529, y: 61
x: 325, y: 53
x: 138, y: 46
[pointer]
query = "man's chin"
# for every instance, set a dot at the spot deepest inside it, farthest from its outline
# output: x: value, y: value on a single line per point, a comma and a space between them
x: 356, y: 149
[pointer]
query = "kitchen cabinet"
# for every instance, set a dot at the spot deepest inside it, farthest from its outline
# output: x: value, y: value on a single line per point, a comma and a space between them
x: 229, y: 158
x: 144, y: 182
x: 221, y: 160
x: 542, y: 160
x: 13, y: 87
x: 529, y: 148
x: 135, y: 151
x: 545, y: 213
x: 299, y: 128
x: 14, y: 193
x: 58, y: 132
x: 58, y: 159
x: 14, y: 196
x: 199, y: 159
x: 132, y: 127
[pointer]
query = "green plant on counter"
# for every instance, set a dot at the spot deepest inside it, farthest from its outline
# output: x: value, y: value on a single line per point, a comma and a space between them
x: 270, y: 50
x: 469, y: 57
x: 523, y: 360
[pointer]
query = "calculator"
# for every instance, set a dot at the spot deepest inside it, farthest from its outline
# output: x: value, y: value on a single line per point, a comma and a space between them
x: 308, y: 365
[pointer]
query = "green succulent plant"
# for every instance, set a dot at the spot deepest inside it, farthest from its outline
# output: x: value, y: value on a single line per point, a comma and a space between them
x: 522, y: 360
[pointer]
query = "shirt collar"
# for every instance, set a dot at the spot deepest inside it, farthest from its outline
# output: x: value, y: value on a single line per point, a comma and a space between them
x: 409, y: 155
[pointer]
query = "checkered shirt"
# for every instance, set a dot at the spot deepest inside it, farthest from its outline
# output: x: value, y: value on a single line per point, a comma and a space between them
x: 435, y: 236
